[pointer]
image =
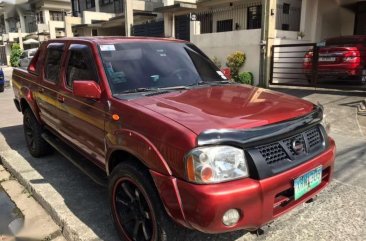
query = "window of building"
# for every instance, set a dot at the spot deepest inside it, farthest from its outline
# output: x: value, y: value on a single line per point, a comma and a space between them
x: 288, y: 16
x: 80, y: 65
x: 53, y: 62
x: 286, y: 8
x: 57, y: 16
x: 90, y: 4
x: 224, y: 25
x: 254, y: 17
x: 106, y: 2
x: 285, y: 26
x: 39, y: 17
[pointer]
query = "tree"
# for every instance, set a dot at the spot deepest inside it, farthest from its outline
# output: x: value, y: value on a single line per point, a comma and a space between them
x: 15, y: 54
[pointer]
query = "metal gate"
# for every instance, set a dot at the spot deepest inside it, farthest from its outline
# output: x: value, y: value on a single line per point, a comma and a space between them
x: 311, y: 65
x: 182, y: 28
x: 3, y: 59
x: 152, y: 29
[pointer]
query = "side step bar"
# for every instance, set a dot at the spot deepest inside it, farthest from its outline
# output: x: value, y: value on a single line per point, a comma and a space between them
x: 86, y: 166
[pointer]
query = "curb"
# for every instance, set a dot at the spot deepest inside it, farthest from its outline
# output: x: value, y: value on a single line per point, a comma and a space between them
x: 66, y: 230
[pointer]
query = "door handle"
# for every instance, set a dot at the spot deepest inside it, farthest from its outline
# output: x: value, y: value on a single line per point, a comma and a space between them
x: 41, y: 90
x: 60, y: 98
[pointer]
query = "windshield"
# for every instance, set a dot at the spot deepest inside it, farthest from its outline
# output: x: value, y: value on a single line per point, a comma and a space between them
x: 154, y: 65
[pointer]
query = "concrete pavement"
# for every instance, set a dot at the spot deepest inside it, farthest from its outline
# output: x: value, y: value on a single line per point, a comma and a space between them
x: 80, y: 207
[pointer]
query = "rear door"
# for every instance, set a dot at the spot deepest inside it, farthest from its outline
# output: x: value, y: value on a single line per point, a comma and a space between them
x: 47, y: 94
x: 82, y: 120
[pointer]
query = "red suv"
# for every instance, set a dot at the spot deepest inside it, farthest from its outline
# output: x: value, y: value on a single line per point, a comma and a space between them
x: 182, y: 146
x: 339, y: 58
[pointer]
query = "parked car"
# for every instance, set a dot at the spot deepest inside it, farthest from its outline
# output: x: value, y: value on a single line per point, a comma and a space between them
x: 340, y: 58
x: 27, y: 56
x: 182, y: 147
x: 2, y: 80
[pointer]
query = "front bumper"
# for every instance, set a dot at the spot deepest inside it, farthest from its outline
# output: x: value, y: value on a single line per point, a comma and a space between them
x: 260, y: 201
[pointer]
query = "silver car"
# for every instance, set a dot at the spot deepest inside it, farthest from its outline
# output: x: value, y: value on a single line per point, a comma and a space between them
x: 26, y: 57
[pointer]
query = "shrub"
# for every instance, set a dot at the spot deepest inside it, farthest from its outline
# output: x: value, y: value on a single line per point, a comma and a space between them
x: 246, y: 78
x: 217, y: 62
x: 15, y: 54
x: 235, y: 61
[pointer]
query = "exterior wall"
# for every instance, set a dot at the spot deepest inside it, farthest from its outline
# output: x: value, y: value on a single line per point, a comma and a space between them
x: 69, y: 21
x: 89, y: 16
x: 245, y: 40
x: 54, y: 26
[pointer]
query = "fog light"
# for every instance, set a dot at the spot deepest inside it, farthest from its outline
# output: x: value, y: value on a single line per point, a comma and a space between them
x: 231, y: 217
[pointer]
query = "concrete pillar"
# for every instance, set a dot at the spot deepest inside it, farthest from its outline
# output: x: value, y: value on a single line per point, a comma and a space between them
x: 168, y: 25
x: 97, y: 7
x: 20, y: 38
x: 69, y: 21
x: 6, y: 23
x: 46, y: 16
x: 195, y: 28
x: 128, y: 10
x: 21, y: 19
x: 268, y: 36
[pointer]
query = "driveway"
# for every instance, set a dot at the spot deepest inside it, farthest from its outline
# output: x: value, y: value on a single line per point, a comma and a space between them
x: 80, y: 207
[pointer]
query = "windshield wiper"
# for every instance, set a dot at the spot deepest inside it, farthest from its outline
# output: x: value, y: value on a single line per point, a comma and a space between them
x: 138, y: 90
x: 216, y: 82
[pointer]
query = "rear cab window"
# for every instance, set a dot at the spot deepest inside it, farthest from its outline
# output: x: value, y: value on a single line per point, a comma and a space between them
x: 52, y: 64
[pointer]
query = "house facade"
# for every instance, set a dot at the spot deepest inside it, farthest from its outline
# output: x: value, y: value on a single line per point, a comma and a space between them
x: 221, y: 27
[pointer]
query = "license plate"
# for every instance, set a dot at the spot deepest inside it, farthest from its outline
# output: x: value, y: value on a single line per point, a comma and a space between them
x: 327, y: 59
x: 307, y: 182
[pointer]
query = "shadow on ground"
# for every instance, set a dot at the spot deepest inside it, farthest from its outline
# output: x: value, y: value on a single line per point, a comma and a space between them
x: 85, y: 199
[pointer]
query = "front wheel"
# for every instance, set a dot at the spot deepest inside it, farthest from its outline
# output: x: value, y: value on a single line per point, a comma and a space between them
x: 136, y: 207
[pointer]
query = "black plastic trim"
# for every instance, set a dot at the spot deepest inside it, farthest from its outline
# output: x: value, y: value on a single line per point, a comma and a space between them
x: 259, y: 135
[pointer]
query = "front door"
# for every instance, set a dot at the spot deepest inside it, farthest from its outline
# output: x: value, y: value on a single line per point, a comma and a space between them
x: 82, y: 119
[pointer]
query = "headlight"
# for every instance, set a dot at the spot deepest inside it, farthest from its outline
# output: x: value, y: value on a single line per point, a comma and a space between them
x: 324, y: 121
x: 215, y: 164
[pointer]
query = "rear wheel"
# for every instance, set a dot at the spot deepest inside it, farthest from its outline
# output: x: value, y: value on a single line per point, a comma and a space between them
x: 33, y: 131
x: 1, y: 88
x: 137, y: 209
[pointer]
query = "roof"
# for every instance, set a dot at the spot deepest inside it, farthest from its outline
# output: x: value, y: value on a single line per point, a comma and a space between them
x: 117, y: 39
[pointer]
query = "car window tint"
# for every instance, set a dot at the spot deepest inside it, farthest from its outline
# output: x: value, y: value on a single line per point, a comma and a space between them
x: 130, y: 66
x: 53, y: 63
x: 81, y: 65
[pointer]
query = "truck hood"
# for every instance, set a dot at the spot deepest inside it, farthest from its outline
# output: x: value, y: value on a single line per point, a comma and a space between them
x: 226, y: 107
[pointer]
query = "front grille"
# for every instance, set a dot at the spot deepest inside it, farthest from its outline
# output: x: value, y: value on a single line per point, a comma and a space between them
x: 281, y: 153
x: 273, y: 153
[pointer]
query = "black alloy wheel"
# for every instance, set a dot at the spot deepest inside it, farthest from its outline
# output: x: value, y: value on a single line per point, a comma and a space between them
x: 134, y: 212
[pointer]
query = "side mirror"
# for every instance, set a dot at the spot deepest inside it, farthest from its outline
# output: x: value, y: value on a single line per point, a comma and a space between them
x: 87, y: 89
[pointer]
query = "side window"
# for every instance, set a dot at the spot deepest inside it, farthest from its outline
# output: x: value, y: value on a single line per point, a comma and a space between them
x: 53, y: 62
x: 81, y: 64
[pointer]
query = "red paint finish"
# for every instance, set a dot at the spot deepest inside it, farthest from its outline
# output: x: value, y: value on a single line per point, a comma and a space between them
x: 87, y: 89
x: 204, y: 205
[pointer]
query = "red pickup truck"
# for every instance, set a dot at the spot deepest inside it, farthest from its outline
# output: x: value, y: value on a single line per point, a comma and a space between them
x: 182, y: 147
x: 339, y: 58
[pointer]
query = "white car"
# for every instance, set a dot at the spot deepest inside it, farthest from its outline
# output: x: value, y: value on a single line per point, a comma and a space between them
x: 26, y: 57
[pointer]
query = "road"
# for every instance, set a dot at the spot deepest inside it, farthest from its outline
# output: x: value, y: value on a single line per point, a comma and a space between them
x: 80, y: 206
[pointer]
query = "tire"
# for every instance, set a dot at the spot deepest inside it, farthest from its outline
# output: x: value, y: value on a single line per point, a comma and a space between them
x: 135, y: 205
x: 32, y: 132
x: 1, y: 88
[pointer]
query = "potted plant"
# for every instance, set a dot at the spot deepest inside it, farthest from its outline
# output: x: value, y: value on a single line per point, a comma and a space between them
x: 300, y: 35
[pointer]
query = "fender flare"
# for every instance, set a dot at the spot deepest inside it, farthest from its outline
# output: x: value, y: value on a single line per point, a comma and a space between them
x: 139, y: 146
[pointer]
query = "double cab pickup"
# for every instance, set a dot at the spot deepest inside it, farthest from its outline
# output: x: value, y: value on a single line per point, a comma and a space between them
x: 178, y: 144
